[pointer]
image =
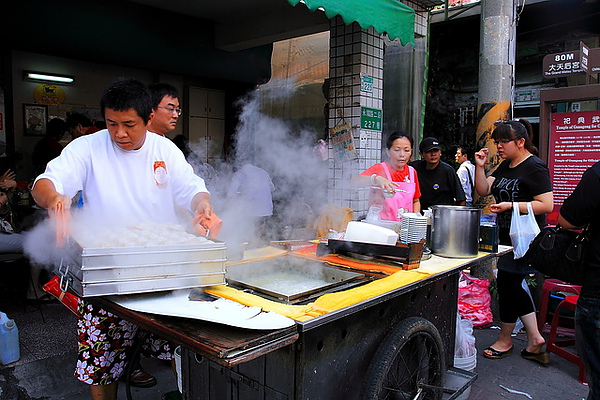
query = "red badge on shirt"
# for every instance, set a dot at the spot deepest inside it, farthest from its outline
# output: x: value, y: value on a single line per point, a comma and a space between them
x: 161, y: 177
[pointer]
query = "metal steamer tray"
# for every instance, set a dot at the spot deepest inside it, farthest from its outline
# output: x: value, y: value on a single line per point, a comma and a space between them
x: 290, y: 279
x: 138, y: 269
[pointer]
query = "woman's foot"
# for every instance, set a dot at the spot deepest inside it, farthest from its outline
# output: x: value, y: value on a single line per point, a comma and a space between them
x: 541, y: 357
x: 494, y: 354
x: 536, y: 346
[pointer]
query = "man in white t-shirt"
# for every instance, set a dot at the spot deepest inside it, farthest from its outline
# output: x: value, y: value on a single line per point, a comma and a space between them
x: 466, y: 172
x: 127, y: 175
x: 251, y: 190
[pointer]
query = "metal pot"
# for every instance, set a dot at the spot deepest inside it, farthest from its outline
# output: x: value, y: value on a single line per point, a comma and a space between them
x: 455, y: 231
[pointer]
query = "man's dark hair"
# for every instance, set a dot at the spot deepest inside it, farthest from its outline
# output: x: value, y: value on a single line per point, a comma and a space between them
x: 159, y: 90
x: 75, y: 118
x: 466, y: 150
x: 56, y: 128
x: 126, y: 94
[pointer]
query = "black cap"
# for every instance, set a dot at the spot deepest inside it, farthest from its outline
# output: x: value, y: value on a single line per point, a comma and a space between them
x: 428, y: 144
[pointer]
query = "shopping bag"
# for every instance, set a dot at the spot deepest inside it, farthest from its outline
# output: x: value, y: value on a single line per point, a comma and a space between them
x: 523, y: 229
x: 474, y: 300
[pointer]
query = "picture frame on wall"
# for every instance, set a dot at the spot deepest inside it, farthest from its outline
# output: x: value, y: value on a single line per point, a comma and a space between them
x: 35, y: 118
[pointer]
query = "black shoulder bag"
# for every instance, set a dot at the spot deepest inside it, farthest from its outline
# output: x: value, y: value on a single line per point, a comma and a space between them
x: 559, y: 253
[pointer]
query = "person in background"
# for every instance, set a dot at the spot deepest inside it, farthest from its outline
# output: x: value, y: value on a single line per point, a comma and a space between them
x: 466, y: 172
x: 438, y: 181
x: 79, y: 125
x: 203, y: 169
x: 395, y: 178
x: 165, y: 108
x: 49, y: 146
x: 11, y: 240
x: 521, y: 178
x: 581, y: 208
x: 123, y: 153
x: 251, y: 191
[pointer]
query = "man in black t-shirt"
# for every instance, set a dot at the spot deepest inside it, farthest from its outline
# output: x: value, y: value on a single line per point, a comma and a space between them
x: 438, y: 181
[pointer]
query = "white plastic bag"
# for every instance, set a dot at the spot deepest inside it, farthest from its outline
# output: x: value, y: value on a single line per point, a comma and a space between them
x: 464, y: 344
x: 523, y: 229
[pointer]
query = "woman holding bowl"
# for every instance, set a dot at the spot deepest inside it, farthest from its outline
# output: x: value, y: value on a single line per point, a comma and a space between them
x: 394, y: 184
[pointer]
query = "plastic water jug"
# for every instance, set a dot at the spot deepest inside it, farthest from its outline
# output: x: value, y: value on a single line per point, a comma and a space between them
x: 9, y: 340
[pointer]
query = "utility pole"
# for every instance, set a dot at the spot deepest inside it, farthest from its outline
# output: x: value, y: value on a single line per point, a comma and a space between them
x: 497, y: 53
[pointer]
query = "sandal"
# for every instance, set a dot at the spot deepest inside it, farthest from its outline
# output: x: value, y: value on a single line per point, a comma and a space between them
x: 495, y: 354
x: 542, y: 357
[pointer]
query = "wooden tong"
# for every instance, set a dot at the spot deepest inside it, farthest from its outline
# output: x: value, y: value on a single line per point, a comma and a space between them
x: 63, y: 229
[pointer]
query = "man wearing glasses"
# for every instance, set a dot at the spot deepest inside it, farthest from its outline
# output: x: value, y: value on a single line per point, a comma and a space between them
x: 165, y: 108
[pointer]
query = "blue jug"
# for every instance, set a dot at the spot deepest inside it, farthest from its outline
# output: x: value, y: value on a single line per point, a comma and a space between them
x: 9, y: 340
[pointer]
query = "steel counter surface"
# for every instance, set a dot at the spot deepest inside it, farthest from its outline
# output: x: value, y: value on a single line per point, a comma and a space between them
x: 229, y: 346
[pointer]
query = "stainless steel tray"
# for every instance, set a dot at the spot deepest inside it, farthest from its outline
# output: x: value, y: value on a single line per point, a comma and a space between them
x: 138, y: 269
x: 152, y: 284
x: 290, y: 278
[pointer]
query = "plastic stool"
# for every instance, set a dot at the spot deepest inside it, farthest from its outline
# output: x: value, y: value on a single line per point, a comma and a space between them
x: 551, y: 285
x: 556, y: 346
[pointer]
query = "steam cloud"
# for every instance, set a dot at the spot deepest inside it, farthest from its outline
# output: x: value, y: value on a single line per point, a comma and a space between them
x: 285, y: 152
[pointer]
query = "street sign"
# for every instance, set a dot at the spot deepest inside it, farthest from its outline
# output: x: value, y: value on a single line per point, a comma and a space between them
x: 562, y: 64
x: 370, y: 118
x: 590, y: 59
x: 366, y: 83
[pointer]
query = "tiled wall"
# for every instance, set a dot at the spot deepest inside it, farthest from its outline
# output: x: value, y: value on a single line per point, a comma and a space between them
x: 353, y: 51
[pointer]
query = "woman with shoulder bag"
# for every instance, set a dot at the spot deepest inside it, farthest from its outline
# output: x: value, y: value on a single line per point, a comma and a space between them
x: 582, y: 207
x: 521, y: 178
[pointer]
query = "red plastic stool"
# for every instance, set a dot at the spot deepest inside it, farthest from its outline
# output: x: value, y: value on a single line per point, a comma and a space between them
x: 549, y: 286
x: 556, y: 346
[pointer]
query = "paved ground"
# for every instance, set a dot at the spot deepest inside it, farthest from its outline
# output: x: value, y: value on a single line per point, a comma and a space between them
x: 48, y: 358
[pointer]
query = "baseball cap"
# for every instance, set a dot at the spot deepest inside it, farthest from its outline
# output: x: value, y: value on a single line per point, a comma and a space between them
x: 428, y: 144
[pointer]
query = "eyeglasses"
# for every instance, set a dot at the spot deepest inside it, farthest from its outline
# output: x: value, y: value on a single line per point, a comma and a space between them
x: 172, y: 110
x: 503, y: 141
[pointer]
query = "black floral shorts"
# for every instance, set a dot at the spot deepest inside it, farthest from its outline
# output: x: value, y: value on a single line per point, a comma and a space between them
x: 106, y: 342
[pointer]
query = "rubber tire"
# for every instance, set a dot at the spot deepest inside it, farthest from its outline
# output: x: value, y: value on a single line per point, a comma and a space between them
x: 415, y: 341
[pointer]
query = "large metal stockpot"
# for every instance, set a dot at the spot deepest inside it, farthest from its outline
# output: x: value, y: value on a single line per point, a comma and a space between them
x: 455, y: 231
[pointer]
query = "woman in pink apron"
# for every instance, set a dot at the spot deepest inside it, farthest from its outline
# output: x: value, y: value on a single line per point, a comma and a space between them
x: 394, y: 184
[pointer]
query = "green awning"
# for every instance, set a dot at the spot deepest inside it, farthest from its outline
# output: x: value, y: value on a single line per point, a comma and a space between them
x: 386, y: 16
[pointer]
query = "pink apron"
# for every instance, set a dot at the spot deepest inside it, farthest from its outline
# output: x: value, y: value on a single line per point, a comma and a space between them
x: 402, y: 201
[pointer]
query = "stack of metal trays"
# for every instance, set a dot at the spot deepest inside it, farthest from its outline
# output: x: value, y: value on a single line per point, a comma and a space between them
x: 138, y: 269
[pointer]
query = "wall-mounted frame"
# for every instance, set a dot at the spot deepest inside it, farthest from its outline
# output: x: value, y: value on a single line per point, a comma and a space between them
x: 35, y: 117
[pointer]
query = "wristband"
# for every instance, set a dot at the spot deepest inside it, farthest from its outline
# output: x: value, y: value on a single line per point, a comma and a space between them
x: 373, y: 180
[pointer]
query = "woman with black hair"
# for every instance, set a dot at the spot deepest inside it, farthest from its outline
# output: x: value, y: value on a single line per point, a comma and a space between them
x: 394, y: 184
x: 521, y: 178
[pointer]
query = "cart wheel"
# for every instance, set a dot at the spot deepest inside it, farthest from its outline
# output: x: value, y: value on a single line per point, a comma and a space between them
x: 409, y: 364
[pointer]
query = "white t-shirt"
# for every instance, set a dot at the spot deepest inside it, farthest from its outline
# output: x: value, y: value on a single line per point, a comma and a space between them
x: 251, y: 187
x: 124, y: 187
x: 465, y: 170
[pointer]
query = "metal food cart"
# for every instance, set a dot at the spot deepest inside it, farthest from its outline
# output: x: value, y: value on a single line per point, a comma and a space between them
x: 399, y: 342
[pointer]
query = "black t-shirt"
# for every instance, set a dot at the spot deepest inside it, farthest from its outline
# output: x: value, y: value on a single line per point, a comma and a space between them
x: 439, y: 186
x: 519, y: 184
x: 583, y: 207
